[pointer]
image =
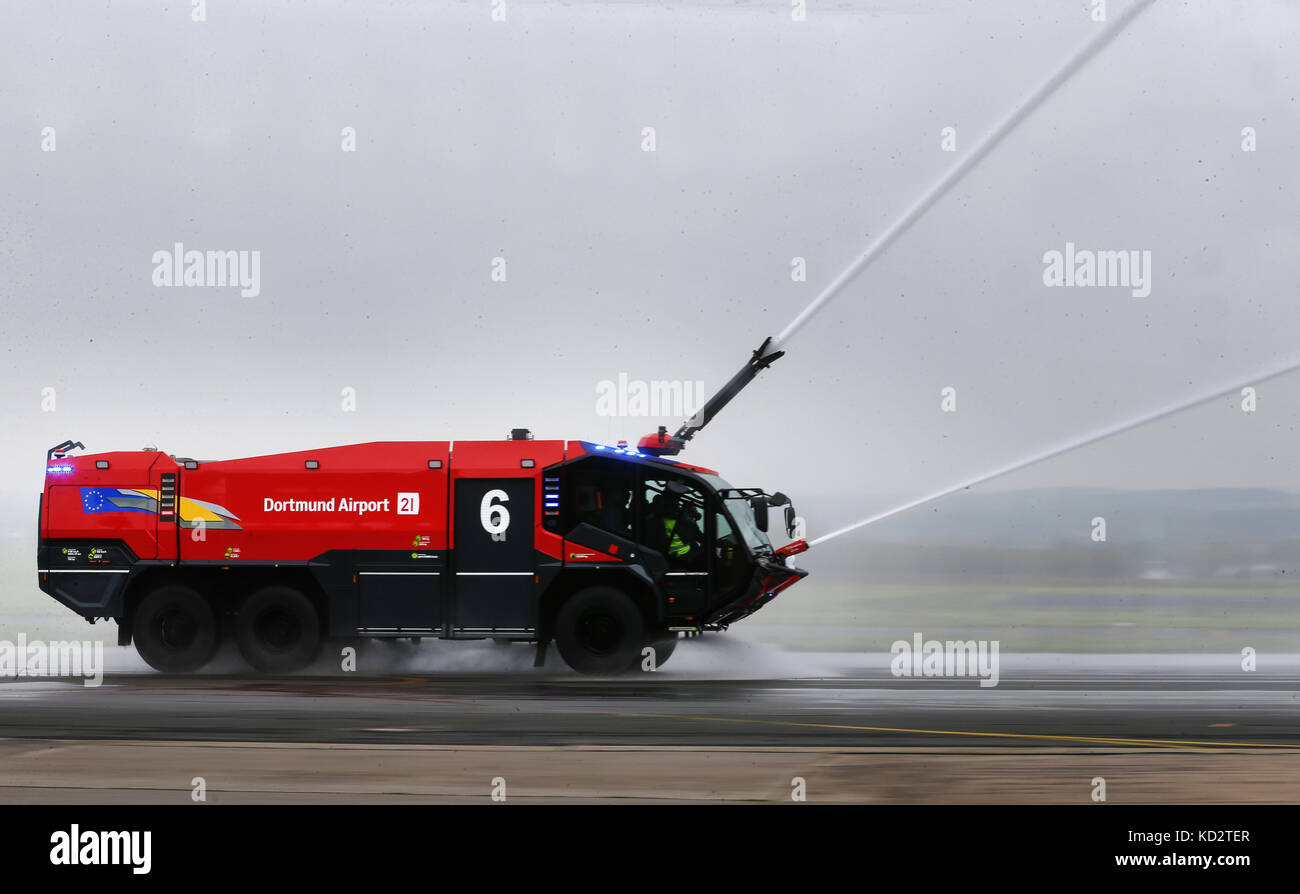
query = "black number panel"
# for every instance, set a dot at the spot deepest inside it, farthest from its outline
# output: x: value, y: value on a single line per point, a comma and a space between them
x: 493, y: 555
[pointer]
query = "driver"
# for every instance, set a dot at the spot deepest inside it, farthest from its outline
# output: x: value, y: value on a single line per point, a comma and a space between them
x: 681, y: 531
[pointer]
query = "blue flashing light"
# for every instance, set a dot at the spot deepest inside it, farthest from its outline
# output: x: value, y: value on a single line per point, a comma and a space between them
x: 58, y: 468
x: 621, y: 451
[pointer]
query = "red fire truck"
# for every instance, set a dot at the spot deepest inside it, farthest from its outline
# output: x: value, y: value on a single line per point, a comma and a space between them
x: 604, y: 550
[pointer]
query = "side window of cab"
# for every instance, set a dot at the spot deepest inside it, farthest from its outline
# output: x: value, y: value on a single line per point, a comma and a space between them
x: 673, y: 520
x: 600, y: 494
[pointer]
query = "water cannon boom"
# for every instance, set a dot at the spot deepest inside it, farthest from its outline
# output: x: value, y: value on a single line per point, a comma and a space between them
x: 662, y: 444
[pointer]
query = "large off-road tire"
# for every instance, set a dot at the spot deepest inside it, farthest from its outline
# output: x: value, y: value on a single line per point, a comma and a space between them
x: 175, y: 629
x: 279, y: 630
x: 600, y: 630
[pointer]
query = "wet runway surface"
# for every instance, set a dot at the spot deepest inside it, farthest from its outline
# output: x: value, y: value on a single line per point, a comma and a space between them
x: 1161, y: 705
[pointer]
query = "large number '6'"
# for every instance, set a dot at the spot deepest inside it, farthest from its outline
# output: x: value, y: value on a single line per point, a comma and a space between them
x: 494, y: 516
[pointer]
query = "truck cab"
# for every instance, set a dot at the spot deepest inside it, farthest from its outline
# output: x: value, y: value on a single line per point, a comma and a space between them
x: 680, y: 527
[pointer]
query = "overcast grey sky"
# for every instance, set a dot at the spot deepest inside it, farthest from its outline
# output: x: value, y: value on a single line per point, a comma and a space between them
x: 775, y: 139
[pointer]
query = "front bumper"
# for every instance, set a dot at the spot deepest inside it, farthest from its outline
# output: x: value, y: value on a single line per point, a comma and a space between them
x: 771, y: 576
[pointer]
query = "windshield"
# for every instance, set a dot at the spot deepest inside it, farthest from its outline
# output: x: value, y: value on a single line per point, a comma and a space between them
x: 743, y: 513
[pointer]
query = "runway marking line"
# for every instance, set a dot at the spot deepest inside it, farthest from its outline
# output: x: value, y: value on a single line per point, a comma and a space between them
x: 1108, y: 740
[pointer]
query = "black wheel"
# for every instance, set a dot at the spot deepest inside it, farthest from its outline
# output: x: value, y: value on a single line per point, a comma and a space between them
x: 600, y: 631
x: 175, y: 629
x: 279, y: 630
x: 664, y: 644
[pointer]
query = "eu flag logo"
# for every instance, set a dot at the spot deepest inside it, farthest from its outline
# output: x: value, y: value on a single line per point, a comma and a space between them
x: 116, y: 499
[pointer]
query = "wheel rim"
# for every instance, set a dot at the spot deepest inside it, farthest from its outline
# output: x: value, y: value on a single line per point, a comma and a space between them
x: 277, y: 630
x: 600, y: 632
x: 175, y: 628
